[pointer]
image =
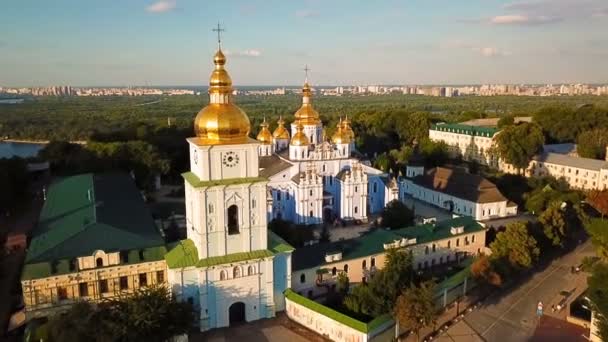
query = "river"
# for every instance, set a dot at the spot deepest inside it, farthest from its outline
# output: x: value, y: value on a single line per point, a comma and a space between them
x: 17, y: 149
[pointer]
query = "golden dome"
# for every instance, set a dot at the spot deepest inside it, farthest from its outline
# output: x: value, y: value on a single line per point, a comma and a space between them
x: 348, y: 130
x: 221, y: 122
x: 281, y: 132
x: 299, y: 139
x: 340, y: 136
x: 307, y: 115
x: 264, y: 136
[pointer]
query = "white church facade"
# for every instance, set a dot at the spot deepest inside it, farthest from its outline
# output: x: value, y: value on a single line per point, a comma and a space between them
x: 314, y: 179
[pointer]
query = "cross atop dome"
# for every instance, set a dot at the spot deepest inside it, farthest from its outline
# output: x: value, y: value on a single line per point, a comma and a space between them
x: 219, y: 31
x: 306, y: 70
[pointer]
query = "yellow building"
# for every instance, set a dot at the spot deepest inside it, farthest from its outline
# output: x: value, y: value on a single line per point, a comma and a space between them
x: 95, y: 239
x: 315, y: 268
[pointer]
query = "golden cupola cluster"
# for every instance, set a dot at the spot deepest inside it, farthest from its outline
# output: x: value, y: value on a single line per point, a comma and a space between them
x: 299, y: 138
x: 307, y: 115
x: 221, y: 122
x: 265, y: 137
x: 347, y: 129
x: 340, y: 135
x: 281, y: 132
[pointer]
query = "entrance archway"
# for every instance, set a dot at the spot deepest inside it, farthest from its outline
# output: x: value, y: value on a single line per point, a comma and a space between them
x: 236, y: 313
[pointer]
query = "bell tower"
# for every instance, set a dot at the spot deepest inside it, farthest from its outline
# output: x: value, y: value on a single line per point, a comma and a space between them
x: 225, y: 198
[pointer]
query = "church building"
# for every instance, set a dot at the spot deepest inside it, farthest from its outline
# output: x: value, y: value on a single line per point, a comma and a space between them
x: 231, y: 268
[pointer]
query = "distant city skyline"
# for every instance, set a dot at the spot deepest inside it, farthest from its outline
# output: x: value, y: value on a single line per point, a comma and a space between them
x: 170, y: 42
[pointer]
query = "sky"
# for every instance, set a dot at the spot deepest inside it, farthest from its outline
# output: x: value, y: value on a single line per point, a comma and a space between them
x: 268, y: 42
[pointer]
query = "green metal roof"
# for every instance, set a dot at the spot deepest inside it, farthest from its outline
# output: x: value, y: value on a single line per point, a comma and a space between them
x: 87, y: 212
x: 193, y: 180
x: 465, y: 129
x: 336, y: 315
x: 373, y: 242
x: 185, y: 254
x: 277, y: 244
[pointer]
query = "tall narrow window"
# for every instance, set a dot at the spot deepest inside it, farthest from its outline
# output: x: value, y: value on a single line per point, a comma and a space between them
x: 310, y: 192
x: 83, y: 289
x: 99, y: 262
x: 311, y: 213
x: 364, y: 264
x: 143, y: 279
x: 62, y: 293
x: 346, y: 268
x: 253, y: 203
x: 160, y: 276
x: 302, y: 278
x: 250, y: 270
x: 124, y: 283
x: 236, y: 272
x: 233, y: 220
x: 103, y: 286
x: 373, y: 262
x: 222, y: 275
x: 278, y: 195
x: 356, y: 210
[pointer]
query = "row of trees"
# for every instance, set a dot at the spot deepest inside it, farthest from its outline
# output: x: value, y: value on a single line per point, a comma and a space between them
x: 150, y: 314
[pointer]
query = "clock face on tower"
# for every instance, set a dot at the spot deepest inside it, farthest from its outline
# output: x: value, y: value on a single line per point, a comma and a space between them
x: 230, y: 159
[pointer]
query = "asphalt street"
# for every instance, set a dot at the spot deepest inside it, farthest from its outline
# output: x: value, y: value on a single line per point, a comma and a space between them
x: 512, y: 316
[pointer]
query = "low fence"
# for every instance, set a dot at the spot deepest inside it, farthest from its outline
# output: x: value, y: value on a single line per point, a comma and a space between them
x: 335, y: 325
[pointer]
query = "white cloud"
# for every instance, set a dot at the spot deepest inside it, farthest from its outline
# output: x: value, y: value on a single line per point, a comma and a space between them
x: 485, y: 51
x: 161, y: 6
x: 521, y: 19
x: 244, y: 53
x: 306, y: 13
x: 490, y: 51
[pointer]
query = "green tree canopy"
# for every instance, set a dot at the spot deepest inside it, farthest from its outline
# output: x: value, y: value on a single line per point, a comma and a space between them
x: 553, y: 220
x: 150, y: 314
x: 592, y: 143
x: 598, y: 294
x: 516, y: 245
x: 598, y: 230
x: 397, y: 215
x: 415, y: 307
x: 517, y: 144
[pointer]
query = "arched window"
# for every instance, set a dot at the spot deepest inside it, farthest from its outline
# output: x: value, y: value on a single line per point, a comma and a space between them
x: 222, y: 275
x: 364, y: 264
x: 426, y: 250
x: 310, y: 214
x: 302, y: 278
x: 236, y: 272
x: 473, y: 239
x: 310, y: 192
x: 250, y: 270
x: 334, y: 271
x: 233, y: 220
x: 356, y: 188
x: 346, y: 268
x: 356, y: 209
x: 457, y: 242
x: 324, y: 168
x: 450, y: 244
x: 434, y: 248
x: 99, y: 262
x: 373, y: 263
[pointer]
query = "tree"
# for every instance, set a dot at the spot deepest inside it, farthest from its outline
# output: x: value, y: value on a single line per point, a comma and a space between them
x: 14, y: 182
x: 435, y: 153
x: 415, y: 307
x: 506, y: 120
x: 553, y: 221
x: 397, y: 215
x: 598, y: 294
x: 517, y: 144
x: 599, y: 201
x: 325, y: 235
x: 342, y: 284
x: 592, y: 143
x: 598, y: 230
x: 483, y: 270
x: 378, y: 296
x: 516, y: 245
x: 150, y: 314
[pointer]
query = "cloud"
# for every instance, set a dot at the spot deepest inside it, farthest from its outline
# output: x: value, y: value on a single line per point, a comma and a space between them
x: 306, y: 13
x: 521, y: 19
x: 161, y: 6
x: 490, y: 51
x: 244, y: 53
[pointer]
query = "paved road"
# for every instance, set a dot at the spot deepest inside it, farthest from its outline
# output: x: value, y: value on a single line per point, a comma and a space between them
x: 512, y: 317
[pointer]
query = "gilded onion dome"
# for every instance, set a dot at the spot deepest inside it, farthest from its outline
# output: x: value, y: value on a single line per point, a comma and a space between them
x: 340, y: 136
x: 264, y: 136
x: 307, y: 115
x: 280, y: 132
x: 348, y: 130
x: 299, y: 139
x: 221, y: 122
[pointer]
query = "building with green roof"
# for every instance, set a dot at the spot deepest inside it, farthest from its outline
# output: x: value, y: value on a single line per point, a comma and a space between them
x: 315, y: 268
x: 467, y: 141
x: 95, y: 239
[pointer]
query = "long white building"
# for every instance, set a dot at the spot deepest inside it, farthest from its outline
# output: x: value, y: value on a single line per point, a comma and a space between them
x: 468, y: 141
